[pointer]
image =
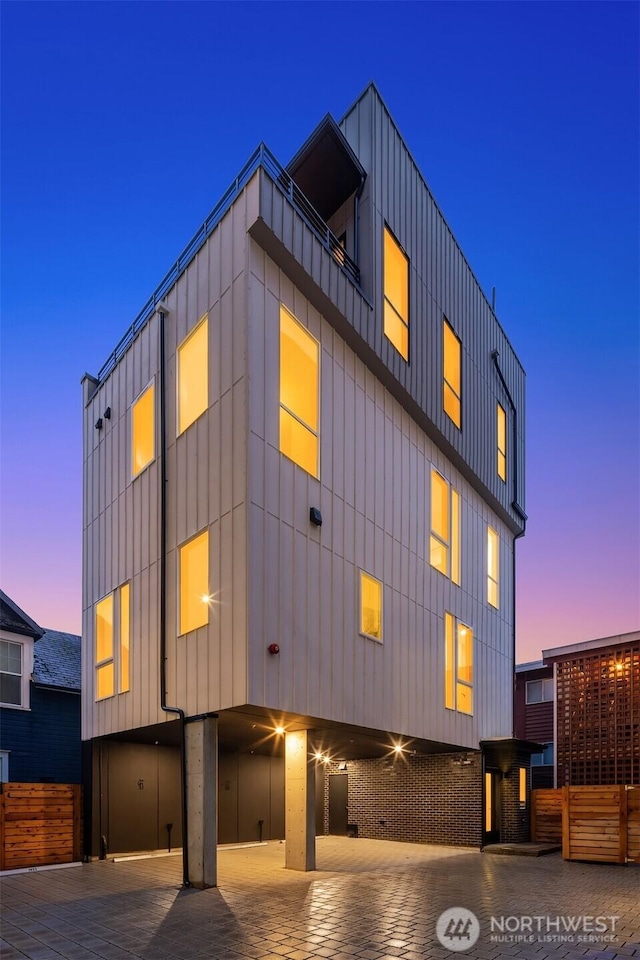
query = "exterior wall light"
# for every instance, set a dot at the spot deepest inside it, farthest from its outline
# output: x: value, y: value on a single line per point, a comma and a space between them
x: 99, y: 423
x: 273, y: 648
x: 315, y: 517
x: 279, y: 731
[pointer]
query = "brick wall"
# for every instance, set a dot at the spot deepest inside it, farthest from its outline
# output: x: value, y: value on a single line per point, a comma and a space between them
x: 515, y: 821
x: 433, y: 799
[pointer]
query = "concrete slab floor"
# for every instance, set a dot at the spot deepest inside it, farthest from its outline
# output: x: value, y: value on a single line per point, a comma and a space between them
x: 369, y: 900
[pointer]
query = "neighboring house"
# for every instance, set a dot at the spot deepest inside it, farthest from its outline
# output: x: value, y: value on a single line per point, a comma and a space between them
x: 597, y: 686
x: 534, y: 717
x: 39, y: 700
x: 303, y: 486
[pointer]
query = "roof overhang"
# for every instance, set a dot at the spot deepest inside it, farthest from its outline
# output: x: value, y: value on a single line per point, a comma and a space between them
x: 15, y: 620
x: 326, y: 169
x: 589, y: 646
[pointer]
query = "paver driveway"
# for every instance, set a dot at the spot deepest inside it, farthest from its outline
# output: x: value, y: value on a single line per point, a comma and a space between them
x: 369, y: 899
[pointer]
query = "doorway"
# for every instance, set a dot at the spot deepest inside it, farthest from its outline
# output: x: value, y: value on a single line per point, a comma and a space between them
x: 338, y: 804
x: 491, y: 831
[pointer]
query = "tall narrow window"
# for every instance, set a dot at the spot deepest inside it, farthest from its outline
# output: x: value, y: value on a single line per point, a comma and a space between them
x: 502, y: 442
x: 370, y: 607
x: 124, y: 639
x: 105, y: 677
x: 396, y: 294
x: 193, y: 376
x: 522, y: 787
x: 11, y: 673
x: 458, y: 690
x: 452, y: 374
x: 142, y: 431
x: 194, y: 583
x: 299, y: 363
x: 444, y: 542
x: 493, y: 567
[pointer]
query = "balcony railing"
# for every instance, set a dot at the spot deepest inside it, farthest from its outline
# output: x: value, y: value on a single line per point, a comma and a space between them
x: 263, y: 158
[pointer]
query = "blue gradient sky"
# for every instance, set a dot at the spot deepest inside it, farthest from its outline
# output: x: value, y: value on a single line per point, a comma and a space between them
x: 122, y: 123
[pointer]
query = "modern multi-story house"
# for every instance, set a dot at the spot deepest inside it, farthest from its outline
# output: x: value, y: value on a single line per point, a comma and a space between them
x: 39, y: 700
x: 534, y: 717
x: 597, y: 710
x: 303, y: 484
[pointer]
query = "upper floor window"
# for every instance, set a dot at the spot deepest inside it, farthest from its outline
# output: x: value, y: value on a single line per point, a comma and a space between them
x: 458, y: 659
x: 143, y: 430
x: 194, y: 583
x: 396, y: 294
x: 444, y: 542
x: 493, y: 567
x: 502, y: 442
x: 105, y: 675
x: 539, y: 691
x: 193, y: 376
x: 113, y: 642
x: 544, y: 759
x: 370, y: 606
x: 11, y: 674
x: 452, y: 374
x: 299, y: 383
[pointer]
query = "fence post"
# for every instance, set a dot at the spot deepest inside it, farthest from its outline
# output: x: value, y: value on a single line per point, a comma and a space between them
x: 566, y: 845
x: 623, y: 824
x: 1, y: 831
x: 77, y: 822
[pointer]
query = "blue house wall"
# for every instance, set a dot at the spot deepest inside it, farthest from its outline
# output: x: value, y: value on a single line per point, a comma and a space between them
x: 44, y: 742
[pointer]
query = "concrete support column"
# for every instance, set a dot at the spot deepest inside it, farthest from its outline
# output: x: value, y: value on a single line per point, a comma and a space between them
x: 202, y: 801
x: 300, y: 795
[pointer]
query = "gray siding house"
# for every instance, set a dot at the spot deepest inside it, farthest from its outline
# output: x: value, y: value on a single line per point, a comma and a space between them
x: 303, y: 484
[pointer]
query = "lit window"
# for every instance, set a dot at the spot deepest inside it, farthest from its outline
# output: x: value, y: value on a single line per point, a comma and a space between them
x: 522, y: 787
x: 194, y: 583
x: 458, y: 670
x: 299, y: 362
x: 193, y: 376
x: 444, y: 542
x: 452, y: 375
x: 105, y: 680
x: 125, y: 640
x: 493, y: 567
x: 539, y: 691
x: 11, y: 673
x: 502, y: 443
x: 370, y: 607
x: 112, y: 643
x: 142, y: 431
x: 396, y: 294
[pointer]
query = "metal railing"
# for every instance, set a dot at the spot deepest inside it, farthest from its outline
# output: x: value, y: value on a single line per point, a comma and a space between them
x: 262, y: 157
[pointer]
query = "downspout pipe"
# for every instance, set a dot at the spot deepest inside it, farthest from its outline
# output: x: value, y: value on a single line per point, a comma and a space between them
x: 523, y: 517
x: 163, y: 605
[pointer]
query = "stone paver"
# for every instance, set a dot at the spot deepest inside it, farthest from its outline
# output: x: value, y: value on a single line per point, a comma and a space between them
x: 369, y: 900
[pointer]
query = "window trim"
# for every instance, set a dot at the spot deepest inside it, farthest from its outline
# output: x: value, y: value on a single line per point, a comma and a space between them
x: 547, y: 684
x: 369, y: 636
x: 203, y: 319
x: 283, y: 406
x: 452, y: 545
x: 445, y: 383
x: 501, y: 454
x: 4, y: 766
x: 180, y: 631
x: 385, y: 299
x: 116, y: 658
x: 491, y: 580
x: 26, y: 669
x: 452, y: 627
x: 134, y: 476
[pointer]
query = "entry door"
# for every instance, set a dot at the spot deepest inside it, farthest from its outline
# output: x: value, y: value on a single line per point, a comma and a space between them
x: 338, y: 800
x: 492, y: 779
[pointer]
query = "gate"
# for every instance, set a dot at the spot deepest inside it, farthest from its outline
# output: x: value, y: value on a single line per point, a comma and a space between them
x: 40, y: 823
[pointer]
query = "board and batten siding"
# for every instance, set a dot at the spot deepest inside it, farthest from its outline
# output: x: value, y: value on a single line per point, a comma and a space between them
x: 373, y: 493
x: 441, y: 284
x: 206, y: 489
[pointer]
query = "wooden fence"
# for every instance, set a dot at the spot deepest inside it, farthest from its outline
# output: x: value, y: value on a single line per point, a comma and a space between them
x: 592, y: 823
x: 40, y: 823
x: 546, y: 816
